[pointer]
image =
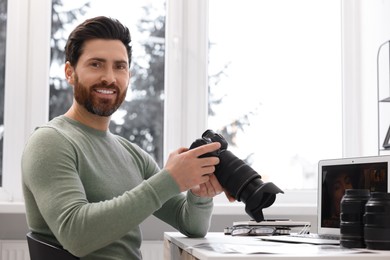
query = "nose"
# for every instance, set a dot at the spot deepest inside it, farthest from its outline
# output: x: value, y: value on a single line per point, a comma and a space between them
x: 108, y: 77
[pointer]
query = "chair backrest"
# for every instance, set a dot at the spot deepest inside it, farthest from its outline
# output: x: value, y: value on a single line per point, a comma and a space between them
x: 41, y: 249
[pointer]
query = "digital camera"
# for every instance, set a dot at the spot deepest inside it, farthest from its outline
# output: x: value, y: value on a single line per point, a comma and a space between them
x: 238, y: 178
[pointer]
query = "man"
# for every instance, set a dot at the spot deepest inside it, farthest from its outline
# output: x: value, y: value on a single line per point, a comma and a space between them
x: 89, y: 189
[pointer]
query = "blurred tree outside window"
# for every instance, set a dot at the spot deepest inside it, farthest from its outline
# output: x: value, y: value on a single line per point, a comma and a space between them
x: 3, y: 37
x: 275, y: 84
x: 140, y: 118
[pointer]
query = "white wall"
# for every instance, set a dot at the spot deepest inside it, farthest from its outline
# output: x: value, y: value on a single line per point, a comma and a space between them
x: 366, y: 27
x: 375, y: 29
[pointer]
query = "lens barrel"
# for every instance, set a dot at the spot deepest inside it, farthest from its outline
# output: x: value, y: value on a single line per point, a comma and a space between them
x: 377, y: 221
x: 238, y: 178
x: 351, y: 217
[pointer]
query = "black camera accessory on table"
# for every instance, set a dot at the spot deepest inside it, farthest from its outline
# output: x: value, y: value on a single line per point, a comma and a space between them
x: 238, y: 178
x: 351, y: 218
x: 377, y: 221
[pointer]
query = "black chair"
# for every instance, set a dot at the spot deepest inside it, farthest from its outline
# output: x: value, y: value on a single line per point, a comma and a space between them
x: 41, y: 249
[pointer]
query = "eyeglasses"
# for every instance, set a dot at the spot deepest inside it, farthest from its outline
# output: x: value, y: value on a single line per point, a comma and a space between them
x: 250, y: 231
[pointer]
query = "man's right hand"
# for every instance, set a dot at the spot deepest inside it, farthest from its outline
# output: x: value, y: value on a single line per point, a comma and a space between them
x: 187, y: 169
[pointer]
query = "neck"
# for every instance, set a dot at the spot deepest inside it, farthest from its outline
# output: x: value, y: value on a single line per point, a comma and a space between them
x: 80, y: 114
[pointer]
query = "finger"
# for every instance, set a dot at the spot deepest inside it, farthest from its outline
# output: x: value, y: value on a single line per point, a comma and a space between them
x: 207, y: 170
x: 198, y: 151
x: 229, y: 197
x: 217, y: 187
x: 209, y: 189
x: 202, y: 190
x: 209, y: 161
x: 204, y: 178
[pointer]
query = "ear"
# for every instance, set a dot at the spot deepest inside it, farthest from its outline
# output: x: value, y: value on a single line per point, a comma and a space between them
x: 69, y: 73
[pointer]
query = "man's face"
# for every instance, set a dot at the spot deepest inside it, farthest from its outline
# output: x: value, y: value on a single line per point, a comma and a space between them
x: 101, y: 76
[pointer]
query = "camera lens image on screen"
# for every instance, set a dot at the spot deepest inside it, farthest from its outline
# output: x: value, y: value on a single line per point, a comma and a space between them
x: 238, y: 178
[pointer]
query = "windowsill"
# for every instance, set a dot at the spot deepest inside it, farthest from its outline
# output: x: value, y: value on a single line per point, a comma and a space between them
x: 219, y: 209
x: 11, y: 207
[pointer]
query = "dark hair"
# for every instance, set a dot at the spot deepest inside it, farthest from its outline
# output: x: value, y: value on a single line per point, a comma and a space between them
x: 100, y: 27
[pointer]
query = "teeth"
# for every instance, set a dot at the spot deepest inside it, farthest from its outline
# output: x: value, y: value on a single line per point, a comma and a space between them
x: 105, y: 91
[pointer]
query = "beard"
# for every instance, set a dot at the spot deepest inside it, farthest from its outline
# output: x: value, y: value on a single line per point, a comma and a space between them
x: 96, y: 105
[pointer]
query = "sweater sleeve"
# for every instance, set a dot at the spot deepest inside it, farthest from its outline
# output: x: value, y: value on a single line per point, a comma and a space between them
x: 191, y: 214
x: 56, y: 200
x: 186, y: 212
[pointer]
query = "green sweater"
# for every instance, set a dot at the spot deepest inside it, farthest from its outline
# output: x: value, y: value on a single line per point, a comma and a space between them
x: 89, y: 190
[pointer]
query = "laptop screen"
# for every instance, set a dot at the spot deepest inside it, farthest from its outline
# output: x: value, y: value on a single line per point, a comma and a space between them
x: 337, y: 178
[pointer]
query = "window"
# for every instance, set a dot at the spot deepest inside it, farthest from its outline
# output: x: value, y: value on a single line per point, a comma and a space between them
x: 188, y: 25
x: 3, y: 37
x: 275, y: 84
x: 140, y: 118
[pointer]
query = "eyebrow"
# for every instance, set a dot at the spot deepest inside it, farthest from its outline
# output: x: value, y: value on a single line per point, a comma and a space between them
x: 105, y: 60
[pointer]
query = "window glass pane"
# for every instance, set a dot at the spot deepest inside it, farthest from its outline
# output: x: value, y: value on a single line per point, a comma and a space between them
x: 3, y: 36
x: 140, y: 118
x: 275, y: 84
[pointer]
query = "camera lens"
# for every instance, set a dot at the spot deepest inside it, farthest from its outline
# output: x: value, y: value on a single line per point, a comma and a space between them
x: 376, y: 221
x: 351, y: 218
x: 239, y: 179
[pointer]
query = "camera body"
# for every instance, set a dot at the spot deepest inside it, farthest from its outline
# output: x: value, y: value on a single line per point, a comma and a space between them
x: 238, y: 178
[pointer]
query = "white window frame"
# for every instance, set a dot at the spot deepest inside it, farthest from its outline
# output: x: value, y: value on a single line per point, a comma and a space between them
x: 186, y: 76
x: 27, y: 92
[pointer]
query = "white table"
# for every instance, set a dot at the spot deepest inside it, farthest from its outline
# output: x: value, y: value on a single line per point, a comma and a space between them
x: 217, y: 246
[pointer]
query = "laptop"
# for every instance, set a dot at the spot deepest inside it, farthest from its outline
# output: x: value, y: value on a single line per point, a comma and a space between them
x: 336, y: 175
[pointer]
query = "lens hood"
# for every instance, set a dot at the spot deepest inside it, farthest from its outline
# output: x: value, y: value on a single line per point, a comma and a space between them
x: 263, y: 196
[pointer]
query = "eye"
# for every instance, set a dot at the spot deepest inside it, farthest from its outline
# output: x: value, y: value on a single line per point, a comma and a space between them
x: 121, y: 66
x: 95, y: 64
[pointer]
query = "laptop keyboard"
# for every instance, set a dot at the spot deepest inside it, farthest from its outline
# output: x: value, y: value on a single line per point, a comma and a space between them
x: 317, y: 236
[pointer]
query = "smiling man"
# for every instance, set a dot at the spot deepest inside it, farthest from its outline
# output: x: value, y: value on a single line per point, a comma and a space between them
x: 100, y: 79
x: 89, y: 189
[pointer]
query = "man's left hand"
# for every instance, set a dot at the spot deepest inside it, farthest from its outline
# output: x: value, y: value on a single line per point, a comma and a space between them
x: 211, y: 189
